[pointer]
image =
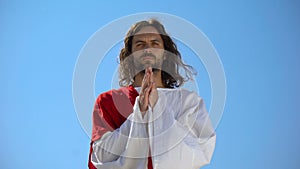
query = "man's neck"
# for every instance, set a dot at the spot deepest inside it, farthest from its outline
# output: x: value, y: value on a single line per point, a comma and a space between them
x: 157, y: 79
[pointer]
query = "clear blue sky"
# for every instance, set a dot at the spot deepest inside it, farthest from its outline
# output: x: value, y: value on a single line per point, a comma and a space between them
x: 258, y: 42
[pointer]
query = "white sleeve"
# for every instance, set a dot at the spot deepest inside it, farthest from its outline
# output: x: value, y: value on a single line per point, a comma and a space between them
x: 185, y: 137
x: 126, y: 147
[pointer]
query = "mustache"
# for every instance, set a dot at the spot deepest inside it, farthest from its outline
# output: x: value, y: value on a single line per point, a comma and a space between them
x: 147, y: 54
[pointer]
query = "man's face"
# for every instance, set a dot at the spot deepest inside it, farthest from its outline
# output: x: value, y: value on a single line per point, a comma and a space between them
x: 147, y: 49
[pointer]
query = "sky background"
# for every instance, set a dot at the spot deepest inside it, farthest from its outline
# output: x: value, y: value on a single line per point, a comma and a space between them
x: 257, y: 42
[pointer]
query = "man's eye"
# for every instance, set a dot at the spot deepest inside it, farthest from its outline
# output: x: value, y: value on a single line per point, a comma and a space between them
x: 156, y: 44
x: 139, y: 44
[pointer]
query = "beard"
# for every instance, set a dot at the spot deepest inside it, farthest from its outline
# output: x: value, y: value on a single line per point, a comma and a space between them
x: 141, y: 64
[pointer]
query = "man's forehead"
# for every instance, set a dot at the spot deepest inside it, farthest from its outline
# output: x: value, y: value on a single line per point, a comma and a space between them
x: 146, y: 35
x: 147, y: 30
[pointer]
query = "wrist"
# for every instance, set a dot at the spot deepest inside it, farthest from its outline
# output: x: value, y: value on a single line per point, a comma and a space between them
x: 143, y: 109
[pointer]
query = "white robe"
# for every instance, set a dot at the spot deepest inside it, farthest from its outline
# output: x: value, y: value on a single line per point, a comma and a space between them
x: 177, y: 132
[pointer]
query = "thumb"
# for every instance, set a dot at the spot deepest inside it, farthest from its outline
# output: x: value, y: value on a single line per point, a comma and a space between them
x: 153, y: 85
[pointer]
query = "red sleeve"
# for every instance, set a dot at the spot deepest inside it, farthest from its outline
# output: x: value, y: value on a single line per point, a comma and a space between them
x: 103, y: 116
x: 110, y: 111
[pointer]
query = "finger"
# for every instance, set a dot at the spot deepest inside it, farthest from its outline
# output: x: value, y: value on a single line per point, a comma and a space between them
x: 145, y: 96
x: 147, y: 92
x: 150, y: 70
x: 151, y: 77
x: 147, y: 70
x: 145, y: 76
x: 150, y: 80
x: 147, y: 89
x: 145, y: 81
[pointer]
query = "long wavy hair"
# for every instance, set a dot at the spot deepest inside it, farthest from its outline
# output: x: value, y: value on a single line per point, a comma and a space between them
x: 171, y: 76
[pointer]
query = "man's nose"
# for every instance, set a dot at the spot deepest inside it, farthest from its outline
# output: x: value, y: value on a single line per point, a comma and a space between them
x: 147, y: 48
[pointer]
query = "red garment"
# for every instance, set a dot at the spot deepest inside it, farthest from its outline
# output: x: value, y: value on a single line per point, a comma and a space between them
x: 110, y: 111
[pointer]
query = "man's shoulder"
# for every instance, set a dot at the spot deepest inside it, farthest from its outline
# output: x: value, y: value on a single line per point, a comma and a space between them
x: 109, y: 93
x: 190, y: 94
x: 122, y: 91
x: 181, y: 91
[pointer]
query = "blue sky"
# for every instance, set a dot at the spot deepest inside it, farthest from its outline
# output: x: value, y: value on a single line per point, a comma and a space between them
x: 257, y: 42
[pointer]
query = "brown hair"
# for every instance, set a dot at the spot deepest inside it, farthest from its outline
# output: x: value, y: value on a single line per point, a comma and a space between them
x: 171, y: 76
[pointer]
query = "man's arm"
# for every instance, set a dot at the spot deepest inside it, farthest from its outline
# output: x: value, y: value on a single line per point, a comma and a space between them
x: 119, y: 148
x: 183, y: 136
x: 128, y: 145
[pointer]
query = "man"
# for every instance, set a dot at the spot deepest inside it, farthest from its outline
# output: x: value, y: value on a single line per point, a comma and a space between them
x: 150, y: 122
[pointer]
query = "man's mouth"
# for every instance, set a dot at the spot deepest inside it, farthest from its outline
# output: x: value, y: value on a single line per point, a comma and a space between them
x: 147, y: 57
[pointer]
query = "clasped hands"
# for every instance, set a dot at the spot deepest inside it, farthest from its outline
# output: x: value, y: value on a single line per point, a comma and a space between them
x: 148, y: 93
